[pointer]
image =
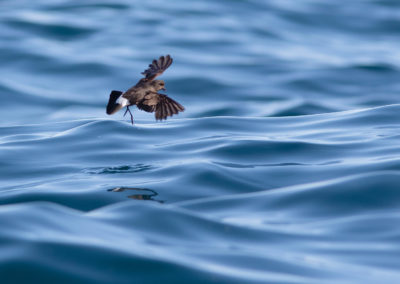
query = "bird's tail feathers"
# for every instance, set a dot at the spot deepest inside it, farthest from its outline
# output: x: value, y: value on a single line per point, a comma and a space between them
x: 113, y: 106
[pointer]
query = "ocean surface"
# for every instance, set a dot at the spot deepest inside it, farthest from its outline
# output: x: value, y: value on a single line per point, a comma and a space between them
x: 284, y: 167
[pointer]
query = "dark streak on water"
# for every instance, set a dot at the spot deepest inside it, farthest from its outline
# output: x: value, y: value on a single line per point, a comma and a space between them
x: 284, y: 167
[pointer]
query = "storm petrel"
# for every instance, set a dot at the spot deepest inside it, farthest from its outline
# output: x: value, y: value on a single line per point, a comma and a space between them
x: 145, y: 94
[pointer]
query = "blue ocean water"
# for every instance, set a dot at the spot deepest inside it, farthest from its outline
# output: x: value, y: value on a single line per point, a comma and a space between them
x: 284, y: 168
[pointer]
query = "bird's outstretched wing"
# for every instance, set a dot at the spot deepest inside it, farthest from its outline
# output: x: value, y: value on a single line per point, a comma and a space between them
x: 162, y: 105
x: 157, y: 67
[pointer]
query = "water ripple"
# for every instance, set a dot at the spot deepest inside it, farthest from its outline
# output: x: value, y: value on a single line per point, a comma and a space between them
x: 284, y: 167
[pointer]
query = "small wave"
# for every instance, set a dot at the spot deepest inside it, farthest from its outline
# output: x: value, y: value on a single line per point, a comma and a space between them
x: 50, y: 29
x: 119, y: 169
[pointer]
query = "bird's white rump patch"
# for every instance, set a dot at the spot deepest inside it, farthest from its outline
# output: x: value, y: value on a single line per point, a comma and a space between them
x: 122, y: 101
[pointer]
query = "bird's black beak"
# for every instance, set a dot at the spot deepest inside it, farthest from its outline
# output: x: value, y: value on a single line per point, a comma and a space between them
x: 164, y: 89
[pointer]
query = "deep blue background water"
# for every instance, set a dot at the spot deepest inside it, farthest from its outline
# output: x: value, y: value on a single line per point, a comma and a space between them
x: 284, y: 168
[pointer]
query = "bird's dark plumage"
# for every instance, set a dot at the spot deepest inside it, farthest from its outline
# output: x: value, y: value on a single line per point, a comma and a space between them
x: 112, y: 106
x: 145, y: 93
x: 157, y: 67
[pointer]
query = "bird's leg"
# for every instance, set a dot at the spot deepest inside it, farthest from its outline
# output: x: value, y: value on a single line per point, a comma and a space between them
x: 128, y: 110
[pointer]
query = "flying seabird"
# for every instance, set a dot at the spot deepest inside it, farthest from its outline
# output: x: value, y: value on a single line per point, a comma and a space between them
x: 145, y: 94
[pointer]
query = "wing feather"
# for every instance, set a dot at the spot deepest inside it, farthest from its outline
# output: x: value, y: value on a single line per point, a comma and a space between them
x: 157, y: 67
x: 167, y: 107
x: 170, y: 109
x: 161, y: 104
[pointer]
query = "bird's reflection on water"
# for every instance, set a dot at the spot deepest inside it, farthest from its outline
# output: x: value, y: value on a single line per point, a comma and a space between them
x: 141, y: 194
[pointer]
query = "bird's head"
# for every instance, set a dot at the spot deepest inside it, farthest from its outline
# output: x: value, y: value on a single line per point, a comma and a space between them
x: 158, y: 85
